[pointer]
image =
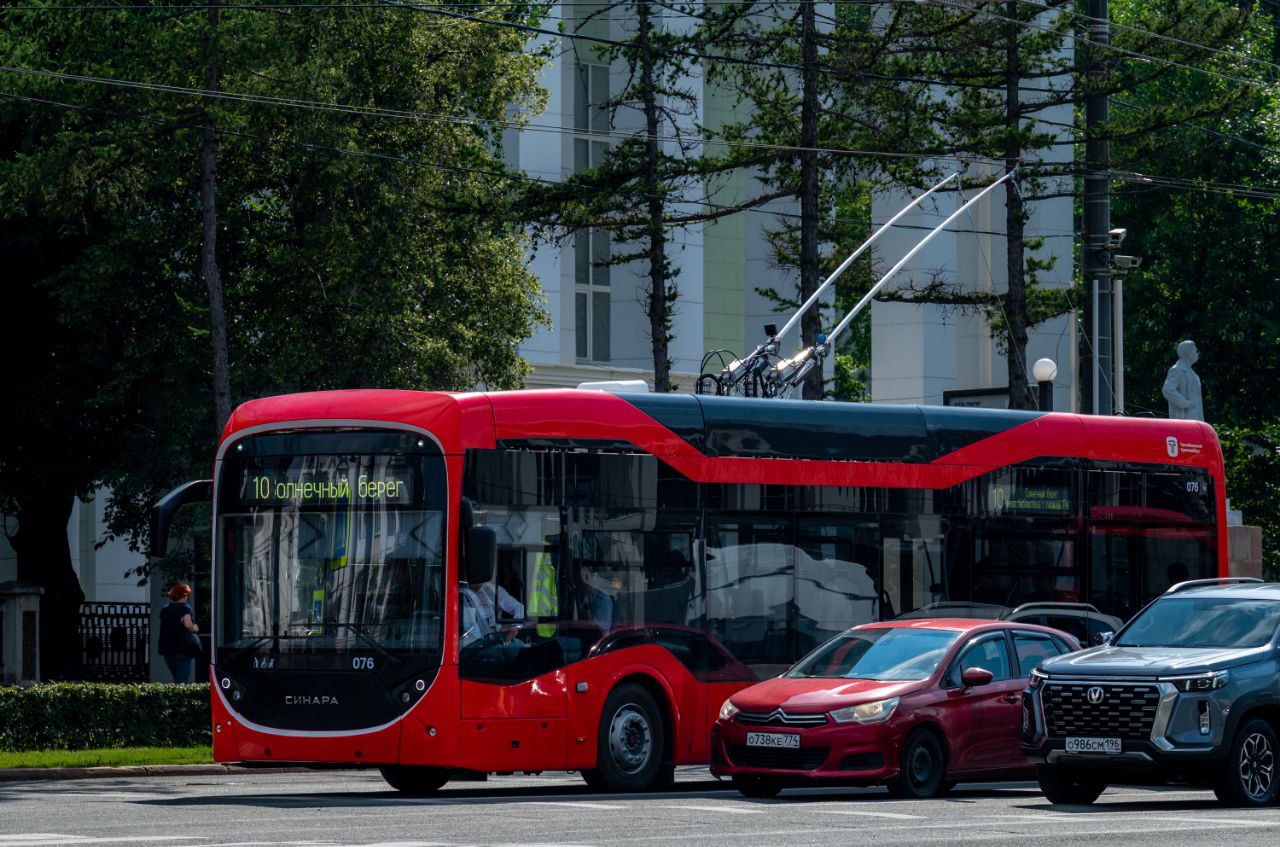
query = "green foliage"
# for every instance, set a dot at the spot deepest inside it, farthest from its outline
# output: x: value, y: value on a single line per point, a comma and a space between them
x: 1253, y: 482
x: 108, y: 758
x: 87, y: 715
x: 356, y: 249
x: 1211, y: 269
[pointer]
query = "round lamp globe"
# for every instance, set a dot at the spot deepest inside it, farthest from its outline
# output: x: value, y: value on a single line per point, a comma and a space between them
x: 1044, y: 370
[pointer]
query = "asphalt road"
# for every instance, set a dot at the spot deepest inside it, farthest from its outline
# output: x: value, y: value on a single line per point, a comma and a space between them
x: 337, y: 808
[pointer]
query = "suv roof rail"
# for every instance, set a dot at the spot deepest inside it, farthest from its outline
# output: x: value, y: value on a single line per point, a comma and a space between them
x: 1217, y: 580
x: 1051, y: 604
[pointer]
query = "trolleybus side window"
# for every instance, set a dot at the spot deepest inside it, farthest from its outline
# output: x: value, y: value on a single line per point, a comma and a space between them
x: 837, y: 578
x: 750, y: 590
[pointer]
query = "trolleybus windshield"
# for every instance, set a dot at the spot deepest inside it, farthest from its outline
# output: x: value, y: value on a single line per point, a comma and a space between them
x: 330, y: 553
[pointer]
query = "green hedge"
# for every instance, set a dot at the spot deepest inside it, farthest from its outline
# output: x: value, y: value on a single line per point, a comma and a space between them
x: 95, y: 715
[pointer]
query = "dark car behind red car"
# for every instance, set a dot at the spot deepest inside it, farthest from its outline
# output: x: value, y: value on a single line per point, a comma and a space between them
x: 915, y: 705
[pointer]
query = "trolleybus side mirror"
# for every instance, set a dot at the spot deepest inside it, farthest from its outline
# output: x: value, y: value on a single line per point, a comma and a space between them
x: 482, y: 554
x: 196, y: 491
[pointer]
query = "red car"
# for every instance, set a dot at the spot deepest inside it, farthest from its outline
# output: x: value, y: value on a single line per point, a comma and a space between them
x: 916, y: 705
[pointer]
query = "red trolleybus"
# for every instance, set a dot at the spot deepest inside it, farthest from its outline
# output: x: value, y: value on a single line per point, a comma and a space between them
x: 450, y: 585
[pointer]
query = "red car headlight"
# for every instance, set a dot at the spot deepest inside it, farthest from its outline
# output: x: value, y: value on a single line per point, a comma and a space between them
x: 866, y: 713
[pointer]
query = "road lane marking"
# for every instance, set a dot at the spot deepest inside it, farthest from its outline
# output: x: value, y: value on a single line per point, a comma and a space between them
x: 1213, y: 821
x: 729, y: 810
x: 112, y: 795
x: 43, y: 839
x: 894, y: 815
x: 576, y: 805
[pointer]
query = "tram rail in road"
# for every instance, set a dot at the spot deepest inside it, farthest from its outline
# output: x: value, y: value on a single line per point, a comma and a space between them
x: 355, y: 809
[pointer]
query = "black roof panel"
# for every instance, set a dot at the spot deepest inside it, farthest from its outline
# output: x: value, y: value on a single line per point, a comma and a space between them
x: 807, y: 429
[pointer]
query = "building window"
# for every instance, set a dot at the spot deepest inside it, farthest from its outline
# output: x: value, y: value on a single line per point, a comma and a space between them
x: 591, y: 99
x: 592, y: 246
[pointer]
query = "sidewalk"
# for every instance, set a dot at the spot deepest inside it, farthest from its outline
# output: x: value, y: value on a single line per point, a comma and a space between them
x: 133, y: 771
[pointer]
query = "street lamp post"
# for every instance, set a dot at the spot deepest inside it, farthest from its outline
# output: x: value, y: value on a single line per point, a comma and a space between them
x: 1045, y: 371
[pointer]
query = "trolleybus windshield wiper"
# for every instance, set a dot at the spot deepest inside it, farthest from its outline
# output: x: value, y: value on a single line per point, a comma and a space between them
x: 249, y: 648
x: 358, y: 629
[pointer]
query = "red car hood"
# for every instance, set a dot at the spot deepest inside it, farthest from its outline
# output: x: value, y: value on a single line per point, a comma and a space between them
x: 817, y: 695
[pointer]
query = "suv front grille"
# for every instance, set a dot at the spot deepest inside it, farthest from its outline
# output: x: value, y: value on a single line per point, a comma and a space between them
x: 775, y: 759
x: 1124, y: 711
x: 780, y: 718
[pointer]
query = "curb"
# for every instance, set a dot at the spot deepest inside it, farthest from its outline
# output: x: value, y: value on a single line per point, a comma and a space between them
x: 42, y: 774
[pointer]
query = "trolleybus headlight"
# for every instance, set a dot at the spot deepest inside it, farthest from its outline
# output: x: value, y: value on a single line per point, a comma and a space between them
x: 877, y: 712
x: 728, y: 710
x: 1036, y: 679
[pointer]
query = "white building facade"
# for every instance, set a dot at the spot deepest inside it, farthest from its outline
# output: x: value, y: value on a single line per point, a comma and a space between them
x: 600, y: 331
x: 105, y: 567
x: 599, y: 327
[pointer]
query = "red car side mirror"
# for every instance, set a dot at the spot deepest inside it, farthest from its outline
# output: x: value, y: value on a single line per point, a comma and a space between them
x: 973, y: 677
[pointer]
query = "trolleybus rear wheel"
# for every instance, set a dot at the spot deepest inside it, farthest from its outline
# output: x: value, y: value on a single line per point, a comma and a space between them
x: 413, y: 780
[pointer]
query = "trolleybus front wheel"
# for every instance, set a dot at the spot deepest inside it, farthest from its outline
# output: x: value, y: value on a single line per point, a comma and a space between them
x: 630, y: 742
x: 414, y: 781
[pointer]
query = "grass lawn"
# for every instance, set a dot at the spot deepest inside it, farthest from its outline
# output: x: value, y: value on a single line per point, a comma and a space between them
x: 103, y: 758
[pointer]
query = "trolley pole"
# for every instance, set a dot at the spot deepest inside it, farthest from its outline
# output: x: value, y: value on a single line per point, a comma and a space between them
x: 1099, y: 354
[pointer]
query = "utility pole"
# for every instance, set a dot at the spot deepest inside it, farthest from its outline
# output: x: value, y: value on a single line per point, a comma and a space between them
x: 1099, y: 354
x: 811, y: 322
x: 209, y: 219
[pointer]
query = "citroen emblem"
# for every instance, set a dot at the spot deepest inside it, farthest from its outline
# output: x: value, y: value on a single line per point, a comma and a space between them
x: 1094, y: 694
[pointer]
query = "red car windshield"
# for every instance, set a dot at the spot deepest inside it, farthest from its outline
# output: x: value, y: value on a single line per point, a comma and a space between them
x: 897, y: 654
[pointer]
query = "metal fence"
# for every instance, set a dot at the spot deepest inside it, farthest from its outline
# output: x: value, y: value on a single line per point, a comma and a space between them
x: 114, y: 642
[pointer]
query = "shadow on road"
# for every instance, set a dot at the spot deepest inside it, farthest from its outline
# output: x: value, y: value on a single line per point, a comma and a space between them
x: 495, y: 794
x: 1172, y: 805
x: 446, y: 796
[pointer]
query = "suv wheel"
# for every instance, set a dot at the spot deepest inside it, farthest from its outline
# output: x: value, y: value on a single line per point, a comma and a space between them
x: 1249, y: 777
x: 923, y: 768
x: 1061, y: 786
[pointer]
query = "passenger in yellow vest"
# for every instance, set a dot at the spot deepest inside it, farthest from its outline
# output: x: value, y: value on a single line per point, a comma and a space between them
x: 544, y: 595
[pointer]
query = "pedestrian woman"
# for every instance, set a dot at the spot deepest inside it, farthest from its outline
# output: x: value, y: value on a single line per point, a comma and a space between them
x: 178, y: 642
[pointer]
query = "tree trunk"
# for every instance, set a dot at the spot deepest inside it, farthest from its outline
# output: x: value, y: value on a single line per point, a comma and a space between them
x: 1015, y: 224
x: 44, y: 559
x: 660, y: 296
x: 209, y: 246
x: 811, y: 323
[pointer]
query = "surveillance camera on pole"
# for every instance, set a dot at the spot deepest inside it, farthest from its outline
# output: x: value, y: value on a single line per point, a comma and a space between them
x: 1116, y: 237
x: 1126, y: 263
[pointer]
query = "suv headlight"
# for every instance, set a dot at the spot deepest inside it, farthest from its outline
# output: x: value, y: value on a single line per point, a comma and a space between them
x: 1036, y: 678
x: 1201, y: 681
x: 877, y: 712
x: 728, y: 710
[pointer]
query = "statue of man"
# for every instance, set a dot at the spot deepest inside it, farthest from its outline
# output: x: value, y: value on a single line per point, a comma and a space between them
x: 1182, y: 385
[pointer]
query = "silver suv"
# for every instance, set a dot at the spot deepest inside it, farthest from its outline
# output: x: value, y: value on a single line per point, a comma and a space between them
x: 1188, y: 691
